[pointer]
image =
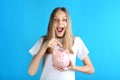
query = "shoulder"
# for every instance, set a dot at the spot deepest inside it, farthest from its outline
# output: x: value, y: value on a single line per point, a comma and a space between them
x: 77, y: 39
x: 41, y: 39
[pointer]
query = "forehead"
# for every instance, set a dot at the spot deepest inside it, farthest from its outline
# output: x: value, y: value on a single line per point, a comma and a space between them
x: 60, y: 13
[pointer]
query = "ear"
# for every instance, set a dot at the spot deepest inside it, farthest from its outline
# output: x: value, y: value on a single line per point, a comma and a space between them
x: 54, y: 52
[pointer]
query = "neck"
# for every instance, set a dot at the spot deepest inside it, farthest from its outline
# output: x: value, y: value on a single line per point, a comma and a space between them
x: 60, y: 39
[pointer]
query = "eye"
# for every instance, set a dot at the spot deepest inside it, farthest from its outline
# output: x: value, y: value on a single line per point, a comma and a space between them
x: 65, y: 20
x: 55, y: 19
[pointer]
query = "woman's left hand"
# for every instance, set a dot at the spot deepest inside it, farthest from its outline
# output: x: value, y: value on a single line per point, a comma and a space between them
x: 62, y: 69
x: 70, y: 67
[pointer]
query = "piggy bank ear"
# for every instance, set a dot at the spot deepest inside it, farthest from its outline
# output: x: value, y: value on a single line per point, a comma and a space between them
x: 66, y: 51
x: 54, y: 52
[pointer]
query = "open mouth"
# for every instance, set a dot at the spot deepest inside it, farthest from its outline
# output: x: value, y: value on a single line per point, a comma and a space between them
x: 60, y: 29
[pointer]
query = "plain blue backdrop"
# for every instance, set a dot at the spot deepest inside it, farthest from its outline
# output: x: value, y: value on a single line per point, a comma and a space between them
x: 97, y: 22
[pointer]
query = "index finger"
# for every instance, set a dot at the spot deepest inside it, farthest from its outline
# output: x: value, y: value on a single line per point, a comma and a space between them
x: 58, y: 43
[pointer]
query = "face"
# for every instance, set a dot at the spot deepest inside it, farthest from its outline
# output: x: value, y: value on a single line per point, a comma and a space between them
x: 60, y: 23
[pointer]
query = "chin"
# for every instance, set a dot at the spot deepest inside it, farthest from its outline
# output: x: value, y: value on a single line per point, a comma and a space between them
x: 59, y: 36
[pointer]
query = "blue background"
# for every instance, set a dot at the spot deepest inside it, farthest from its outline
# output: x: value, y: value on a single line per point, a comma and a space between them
x: 97, y: 22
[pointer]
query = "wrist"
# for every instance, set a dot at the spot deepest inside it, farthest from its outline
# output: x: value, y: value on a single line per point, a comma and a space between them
x: 72, y: 67
x: 75, y: 68
x: 45, y: 45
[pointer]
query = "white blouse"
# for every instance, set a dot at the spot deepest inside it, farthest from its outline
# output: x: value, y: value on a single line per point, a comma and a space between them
x: 49, y: 72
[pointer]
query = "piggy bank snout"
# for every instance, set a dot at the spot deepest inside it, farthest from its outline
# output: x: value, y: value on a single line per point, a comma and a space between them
x: 61, y: 59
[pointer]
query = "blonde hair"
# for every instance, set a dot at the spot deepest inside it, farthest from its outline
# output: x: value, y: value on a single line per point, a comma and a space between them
x: 67, y: 38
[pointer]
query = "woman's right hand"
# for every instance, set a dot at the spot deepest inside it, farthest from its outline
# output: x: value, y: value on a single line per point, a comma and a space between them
x: 52, y: 43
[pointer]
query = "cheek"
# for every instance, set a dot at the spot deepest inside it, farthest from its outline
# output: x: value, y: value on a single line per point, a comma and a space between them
x: 54, y: 25
x: 65, y: 30
x: 65, y: 24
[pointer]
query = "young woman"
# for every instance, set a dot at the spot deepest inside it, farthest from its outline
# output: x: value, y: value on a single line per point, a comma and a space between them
x: 59, y: 33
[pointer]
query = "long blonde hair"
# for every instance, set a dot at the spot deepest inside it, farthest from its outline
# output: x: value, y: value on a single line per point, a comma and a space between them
x: 67, y: 38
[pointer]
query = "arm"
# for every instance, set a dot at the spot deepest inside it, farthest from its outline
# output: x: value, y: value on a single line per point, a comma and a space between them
x: 87, y: 68
x: 36, y: 60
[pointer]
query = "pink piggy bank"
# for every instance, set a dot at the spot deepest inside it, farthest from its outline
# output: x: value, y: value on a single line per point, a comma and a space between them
x: 61, y: 58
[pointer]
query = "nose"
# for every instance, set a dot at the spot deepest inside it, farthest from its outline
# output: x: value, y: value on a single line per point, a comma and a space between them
x: 59, y: 21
